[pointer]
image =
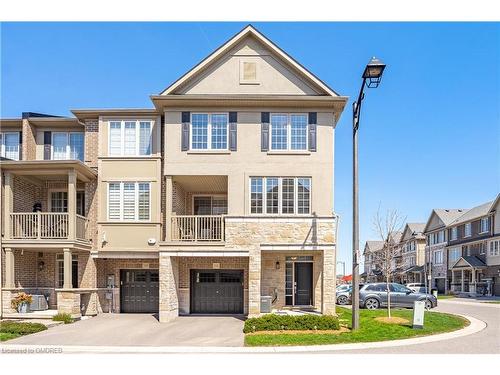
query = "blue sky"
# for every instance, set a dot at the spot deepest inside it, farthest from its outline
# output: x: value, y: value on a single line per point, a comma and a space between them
x: 429, y: 135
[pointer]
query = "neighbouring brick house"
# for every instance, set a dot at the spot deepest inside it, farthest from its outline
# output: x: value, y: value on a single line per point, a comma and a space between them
x: 412, y: 244
x: 218, y: 195
x: 372, y: 267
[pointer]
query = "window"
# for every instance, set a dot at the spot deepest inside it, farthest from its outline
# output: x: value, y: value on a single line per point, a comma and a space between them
x: 398, y: 288
x: 60, y: 270
x: 438, y: 257
x: 130, y: 137
x: 468, y: 230
x: 210, y: 205
x: 129, y: 201
x: 485, y: 224
x: 441, y: 236
x: 59, y: 202
x: 454, y: 233
x: 303, y: 195
x: 285, y: 195
x: 454, y: 254
x: 209, y: 131
x: 288, y: 132
x: 412, y: 261
x: 494, y: 248
x: 67, y: 146
x: 9, y: 145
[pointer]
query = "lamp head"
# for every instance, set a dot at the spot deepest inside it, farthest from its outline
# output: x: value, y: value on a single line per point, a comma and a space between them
x: 373, y: 72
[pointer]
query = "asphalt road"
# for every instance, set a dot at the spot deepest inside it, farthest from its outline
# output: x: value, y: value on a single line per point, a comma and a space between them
x: 486, y: 341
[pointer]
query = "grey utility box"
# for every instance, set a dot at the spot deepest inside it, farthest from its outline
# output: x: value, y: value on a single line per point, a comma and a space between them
x: 265, y: 304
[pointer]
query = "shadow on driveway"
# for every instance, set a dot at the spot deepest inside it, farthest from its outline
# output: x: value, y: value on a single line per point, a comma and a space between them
x: 143, y: 330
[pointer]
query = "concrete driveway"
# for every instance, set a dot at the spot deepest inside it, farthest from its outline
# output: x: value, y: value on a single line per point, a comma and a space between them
x: 143, y: 330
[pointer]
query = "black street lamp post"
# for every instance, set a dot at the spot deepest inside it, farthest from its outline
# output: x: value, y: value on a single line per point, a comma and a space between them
x: 371, y: 79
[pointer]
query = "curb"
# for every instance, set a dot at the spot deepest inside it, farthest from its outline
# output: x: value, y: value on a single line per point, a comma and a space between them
x: 475, y: 326
x: 470, y: 303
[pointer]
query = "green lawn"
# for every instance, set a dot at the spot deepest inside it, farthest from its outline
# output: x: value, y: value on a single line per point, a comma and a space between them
x: 4, y: 336
x: 11, y: 329
x: 370, y: 330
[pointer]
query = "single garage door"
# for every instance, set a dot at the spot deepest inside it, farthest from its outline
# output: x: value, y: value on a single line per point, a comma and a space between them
x: 217, y: 291
x: 139, y: 291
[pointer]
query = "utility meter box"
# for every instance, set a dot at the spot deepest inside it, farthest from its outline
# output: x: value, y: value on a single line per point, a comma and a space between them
x: 418, y: 314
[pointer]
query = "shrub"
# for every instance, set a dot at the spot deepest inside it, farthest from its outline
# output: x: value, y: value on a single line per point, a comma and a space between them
x: 273, y: 322
x: 19, y: 328
x: 63, y: 317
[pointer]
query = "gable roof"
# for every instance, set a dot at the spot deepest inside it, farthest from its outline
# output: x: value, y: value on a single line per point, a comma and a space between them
x: 414, y: 229
x: 472, y: 261
x: 476, y: 212
x: 446, y: 215
x: 396, y: 236
x: 372, y: 246
x: 248, y: 30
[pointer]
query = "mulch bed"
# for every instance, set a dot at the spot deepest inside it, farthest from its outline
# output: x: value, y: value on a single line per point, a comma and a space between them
x: 392, y: 320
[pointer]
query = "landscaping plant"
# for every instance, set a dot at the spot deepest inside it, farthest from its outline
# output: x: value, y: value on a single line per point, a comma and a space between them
x: 308, y: 322
x: 20, y: 299
x: 63, y: 317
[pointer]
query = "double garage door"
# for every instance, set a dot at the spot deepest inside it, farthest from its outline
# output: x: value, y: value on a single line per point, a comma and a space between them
x: 216, y: 292
x: 212, y: 291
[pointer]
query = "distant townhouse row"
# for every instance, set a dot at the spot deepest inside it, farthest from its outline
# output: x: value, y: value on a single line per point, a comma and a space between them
x: 458, y: 250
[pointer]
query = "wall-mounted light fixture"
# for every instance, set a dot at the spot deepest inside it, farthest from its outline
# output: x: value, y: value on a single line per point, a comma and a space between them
x: 41, y: 265
x: 278, y: 265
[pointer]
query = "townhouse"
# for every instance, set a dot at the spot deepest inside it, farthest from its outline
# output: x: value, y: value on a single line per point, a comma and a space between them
x: 436, y: 254
x: 412, y: 244
x: 217, y: 198
x: 372, y: 267
x: 474, y: 250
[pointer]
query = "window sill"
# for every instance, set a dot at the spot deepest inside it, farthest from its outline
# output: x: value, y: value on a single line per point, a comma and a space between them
x: 289, y: 152
x: 210, y: 152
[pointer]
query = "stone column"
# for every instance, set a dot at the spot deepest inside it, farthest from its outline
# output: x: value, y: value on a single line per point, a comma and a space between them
x: 71, y: 204
x: 328, y: 282
x: 168, y: 208
x: 9, y: 269
x: 169, y: 277
x: 254, y: 276
x: 462, y: 287
x: 9, y: 203
x: 452, y: 281
x: 67, y: 283
x: 472, y: 287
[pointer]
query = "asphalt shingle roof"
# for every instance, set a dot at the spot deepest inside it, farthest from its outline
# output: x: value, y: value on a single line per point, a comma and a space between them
x: 448, y: 215
x: 374, y: 245
x: 474, y: 213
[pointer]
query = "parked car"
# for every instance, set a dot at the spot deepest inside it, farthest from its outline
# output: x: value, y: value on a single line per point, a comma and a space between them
x: 374, y: 295
x: 344, y: 295
x: 343, y: 287
x: 417, y: 287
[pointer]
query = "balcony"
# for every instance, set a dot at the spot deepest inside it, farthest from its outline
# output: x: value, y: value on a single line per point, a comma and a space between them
x: 194, y: 228
x: 46, y: 225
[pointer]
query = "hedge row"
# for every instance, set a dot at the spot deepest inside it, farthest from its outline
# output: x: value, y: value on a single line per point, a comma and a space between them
x: 273, y: 322
x: 19, y: 328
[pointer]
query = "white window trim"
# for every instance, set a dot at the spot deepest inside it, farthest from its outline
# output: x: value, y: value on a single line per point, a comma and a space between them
x: 137, y: 137
x: 209, y: 132
x: 487, y: 226
x: 280, y: 196
x: 288, y: 132
x: 68, y: 146
x: 136, y: 193
x: 494, y: 248
x: 2, y: 144
x: 57, y: 190
x: 465, y: 230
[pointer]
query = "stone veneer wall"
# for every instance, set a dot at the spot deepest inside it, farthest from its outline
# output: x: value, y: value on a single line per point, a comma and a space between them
x: 91, y: 159
x: 249, y: 233
x: 273, y: 278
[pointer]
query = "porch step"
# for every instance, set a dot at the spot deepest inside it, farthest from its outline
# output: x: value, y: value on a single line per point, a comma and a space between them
x: 46, y: 314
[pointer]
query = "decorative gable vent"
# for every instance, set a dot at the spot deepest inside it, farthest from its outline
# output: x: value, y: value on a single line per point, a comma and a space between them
x: 248, y: 72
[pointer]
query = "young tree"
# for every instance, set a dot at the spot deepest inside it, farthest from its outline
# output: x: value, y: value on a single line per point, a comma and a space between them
x: 388, y: 228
